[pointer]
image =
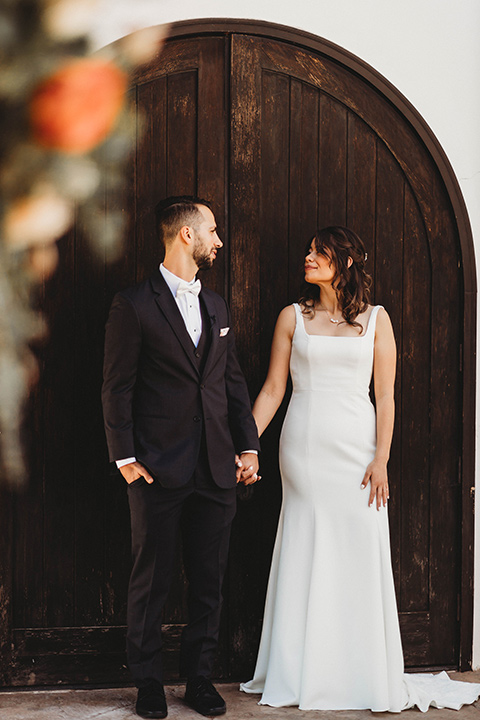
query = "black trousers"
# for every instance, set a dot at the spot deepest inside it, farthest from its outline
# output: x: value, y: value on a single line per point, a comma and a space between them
x: 203, y: 513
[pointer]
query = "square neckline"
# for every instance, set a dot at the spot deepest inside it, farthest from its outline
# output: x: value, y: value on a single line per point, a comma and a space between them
x: 341, y: 337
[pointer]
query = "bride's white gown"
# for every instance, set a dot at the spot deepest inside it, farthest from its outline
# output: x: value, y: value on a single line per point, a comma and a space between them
x: 331, y: 638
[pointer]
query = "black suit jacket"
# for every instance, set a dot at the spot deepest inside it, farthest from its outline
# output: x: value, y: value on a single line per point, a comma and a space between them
x: 157, y: 402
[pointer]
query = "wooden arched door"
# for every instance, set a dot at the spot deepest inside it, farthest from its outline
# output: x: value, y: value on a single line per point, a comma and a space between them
x: 283, y: 133
x: 312, y: 146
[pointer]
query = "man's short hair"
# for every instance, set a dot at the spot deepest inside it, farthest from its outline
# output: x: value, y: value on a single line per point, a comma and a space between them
x: 174, y: 212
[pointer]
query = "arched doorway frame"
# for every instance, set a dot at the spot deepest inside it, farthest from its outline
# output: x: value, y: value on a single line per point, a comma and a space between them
x: 467, y: 349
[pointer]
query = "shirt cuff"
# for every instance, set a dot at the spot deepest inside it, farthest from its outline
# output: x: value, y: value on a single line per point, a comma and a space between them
x: 126, y: 461
x: 251, y: 452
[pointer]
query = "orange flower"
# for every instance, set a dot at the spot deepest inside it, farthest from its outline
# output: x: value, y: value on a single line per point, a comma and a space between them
x: 75, y: 108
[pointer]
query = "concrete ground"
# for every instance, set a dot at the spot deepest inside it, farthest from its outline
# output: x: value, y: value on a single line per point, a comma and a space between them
x: 118, y: 704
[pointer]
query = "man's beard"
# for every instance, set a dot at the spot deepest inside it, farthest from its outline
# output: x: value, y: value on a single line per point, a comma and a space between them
x: 202, y: 258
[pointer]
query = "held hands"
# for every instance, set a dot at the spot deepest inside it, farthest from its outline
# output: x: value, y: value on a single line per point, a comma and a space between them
x: 135, y: 470
x: 247, y: 468
x: 376, y: 474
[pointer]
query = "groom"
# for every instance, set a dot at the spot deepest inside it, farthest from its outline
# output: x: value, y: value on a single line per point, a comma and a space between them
x: 177, y: 410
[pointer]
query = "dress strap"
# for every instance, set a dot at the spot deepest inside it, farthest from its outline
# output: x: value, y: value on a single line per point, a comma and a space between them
x: 299, y: 324
x: 372, y: 320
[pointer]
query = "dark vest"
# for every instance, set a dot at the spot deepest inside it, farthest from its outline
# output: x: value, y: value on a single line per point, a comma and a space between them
x: 203, y: 347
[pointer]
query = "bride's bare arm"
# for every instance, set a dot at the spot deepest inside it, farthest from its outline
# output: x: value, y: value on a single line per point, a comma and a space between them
x: 273, y: 390
x: 384, y: 366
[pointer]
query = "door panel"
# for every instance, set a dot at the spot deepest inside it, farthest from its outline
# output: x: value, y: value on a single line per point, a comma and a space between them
x: 332, y: 151
x: 71, y: 530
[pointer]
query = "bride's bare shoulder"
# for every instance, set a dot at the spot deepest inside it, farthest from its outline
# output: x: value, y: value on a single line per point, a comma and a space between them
x: 287, y: 312
x: 382, y: 314
x: 384, y: 323
x: 286, y: 319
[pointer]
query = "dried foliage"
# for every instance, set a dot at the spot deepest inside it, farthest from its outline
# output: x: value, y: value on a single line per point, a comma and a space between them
x: 65, y: 132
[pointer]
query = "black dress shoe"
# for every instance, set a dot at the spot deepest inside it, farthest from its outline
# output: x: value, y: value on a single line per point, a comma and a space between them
x: 151, y: 701
x: 202, y: 697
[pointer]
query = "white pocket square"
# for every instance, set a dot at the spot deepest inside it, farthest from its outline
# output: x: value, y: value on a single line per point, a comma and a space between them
x: 224, y: 331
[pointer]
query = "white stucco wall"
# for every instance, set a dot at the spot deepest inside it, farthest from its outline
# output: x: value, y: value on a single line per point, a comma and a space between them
x: 428, y: 49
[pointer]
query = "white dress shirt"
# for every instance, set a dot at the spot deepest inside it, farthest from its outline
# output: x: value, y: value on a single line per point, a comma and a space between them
x: 188, y: 304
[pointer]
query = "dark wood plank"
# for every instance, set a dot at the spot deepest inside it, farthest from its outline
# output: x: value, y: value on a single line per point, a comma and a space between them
x: 58, y: 551
x: 275, y: 212
x: 244, y: 200
x: 116, y: 542
x: 304, y: 165
x: 150, y: 172
x: 417, y: 643
x: 468, y: 351
x: 361, y: 171
x: 28, y: 607
x: 387, y: 261
x: 6, y: 584
x: 245, y: 233
x: 90, y: 451
x: 414, y: 627
x: 445, y: 490
x: 80, y: 656
x: 120, y: 269
x: 415, y: 412
x: 332, y: 182
x: 182, y: 139
x: 212, y: 150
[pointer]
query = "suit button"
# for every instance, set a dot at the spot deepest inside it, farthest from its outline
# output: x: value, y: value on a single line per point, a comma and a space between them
x: 197, y: 354
x: 202, y: 387
x: 196, y: 419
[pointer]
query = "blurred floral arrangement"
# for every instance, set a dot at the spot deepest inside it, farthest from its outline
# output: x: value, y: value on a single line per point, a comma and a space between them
x: 65, y: 130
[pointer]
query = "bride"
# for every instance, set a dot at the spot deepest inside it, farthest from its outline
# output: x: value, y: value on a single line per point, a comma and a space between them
x: 331, y: 638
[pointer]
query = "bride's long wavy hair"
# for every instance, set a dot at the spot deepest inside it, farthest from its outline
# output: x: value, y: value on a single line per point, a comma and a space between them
x: 351, y: 284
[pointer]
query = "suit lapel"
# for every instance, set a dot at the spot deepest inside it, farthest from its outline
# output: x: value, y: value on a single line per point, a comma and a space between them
x: 214, y: 331
x: 168, y: 306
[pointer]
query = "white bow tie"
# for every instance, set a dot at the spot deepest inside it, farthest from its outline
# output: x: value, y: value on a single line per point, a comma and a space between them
x: 185, y: 287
